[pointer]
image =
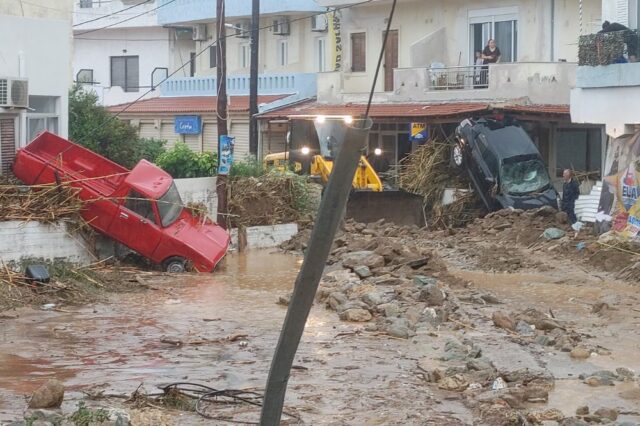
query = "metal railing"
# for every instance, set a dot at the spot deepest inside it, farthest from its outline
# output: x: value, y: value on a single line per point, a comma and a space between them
x: 459, y: 78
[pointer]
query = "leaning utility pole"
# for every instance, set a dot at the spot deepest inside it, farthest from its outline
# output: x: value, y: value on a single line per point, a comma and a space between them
x: 221, y: 110
x: 253, y: 85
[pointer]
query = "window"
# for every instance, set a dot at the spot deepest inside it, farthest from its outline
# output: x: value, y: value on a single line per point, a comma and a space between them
x: 283, y: 53
x: 125, y: 73
x: 321, y: 54
x: 245, y: 55
x: 192, y: 64
x: 358, y: 52
x: 86, y: 4
x: 498, y: 24
x: 84, y: 76
x: 578, y: 149
x: 140, y: 205
x: 43, y: 115
x: 213, y: 58
x: 158, y: 75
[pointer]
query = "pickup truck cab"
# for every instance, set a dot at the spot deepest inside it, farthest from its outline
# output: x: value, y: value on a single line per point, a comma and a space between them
x: 504, y: 165
x: 140, y: 208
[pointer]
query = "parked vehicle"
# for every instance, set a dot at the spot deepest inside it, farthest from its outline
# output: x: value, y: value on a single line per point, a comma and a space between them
x: 504, y: 165
x: 140, y: 208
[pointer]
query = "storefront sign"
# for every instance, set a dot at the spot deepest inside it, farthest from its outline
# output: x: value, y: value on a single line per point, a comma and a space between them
x: 225, y: 154
x: 335, y: 36
x: 188, y: 124
x: 418, y: 132
x: 619, y: 208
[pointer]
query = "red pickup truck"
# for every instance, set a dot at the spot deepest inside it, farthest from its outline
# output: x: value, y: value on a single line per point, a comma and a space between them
x: 140, y: 208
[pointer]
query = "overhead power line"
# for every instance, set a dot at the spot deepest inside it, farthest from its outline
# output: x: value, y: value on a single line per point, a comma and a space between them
x: 114, y: 13
x: 206, y: 48
x: 128, y: 19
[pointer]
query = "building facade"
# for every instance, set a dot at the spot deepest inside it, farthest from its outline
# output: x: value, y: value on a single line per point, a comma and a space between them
x: 122, y: 52
x: 35, y: 72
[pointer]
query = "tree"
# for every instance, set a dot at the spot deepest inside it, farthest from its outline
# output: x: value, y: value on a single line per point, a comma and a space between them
x: 93, y: 127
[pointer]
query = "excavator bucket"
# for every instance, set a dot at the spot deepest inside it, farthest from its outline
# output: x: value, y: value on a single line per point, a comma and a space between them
x: 312, y: 146
x: 397, y: 206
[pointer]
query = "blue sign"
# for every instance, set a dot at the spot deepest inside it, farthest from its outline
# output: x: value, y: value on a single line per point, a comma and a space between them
x: 188, y: 124
x: 419, y: 132
x: 225, y: 157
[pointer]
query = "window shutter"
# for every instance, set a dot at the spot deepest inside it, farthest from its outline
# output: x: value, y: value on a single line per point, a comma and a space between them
x: 117, y: 72
x: 622, y: 12
x: 358, y: 52
x: 133, y: 75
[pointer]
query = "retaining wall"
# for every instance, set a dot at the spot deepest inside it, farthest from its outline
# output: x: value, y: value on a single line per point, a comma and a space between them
x: 19, y: 240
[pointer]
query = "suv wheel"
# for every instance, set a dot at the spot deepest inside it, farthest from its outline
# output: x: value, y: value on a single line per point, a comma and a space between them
x: 175, y: 265
x: 457, y: 156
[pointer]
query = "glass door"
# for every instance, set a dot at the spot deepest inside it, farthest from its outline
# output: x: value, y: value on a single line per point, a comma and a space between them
x: 503, y: 28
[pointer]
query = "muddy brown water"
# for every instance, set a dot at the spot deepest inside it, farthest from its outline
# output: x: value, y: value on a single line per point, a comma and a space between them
x: 342, y: 375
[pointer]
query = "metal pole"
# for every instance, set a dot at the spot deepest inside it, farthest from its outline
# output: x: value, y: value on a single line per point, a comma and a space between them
x: 253, y: 85
x: 330, y: 213
x: 221, y: 110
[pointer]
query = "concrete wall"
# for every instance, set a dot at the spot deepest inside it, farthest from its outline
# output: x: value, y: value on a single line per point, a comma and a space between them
x: 199, y: 190
x: 261, y: 237
x: 540, y: 83
x: 608, y: 95
x: 36, y: 240
x: 111, y: 15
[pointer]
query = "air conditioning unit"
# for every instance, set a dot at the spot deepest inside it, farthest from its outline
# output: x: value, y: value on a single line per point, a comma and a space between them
x: 319, y: 23
x: 281, y: 26
x: 199, y: 32
x: 243, y: 29
x: 14, y: 92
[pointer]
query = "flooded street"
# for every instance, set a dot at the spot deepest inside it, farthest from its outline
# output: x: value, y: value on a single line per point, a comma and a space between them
x: 220, y: 330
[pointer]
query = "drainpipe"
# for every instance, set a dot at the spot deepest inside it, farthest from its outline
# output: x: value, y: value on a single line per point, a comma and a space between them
x: 553, y: 30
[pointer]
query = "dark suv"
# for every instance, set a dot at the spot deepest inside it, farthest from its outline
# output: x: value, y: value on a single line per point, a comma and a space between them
x: 504, y: 165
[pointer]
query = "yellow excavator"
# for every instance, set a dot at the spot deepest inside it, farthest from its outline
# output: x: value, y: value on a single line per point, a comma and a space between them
x: 312, y: 145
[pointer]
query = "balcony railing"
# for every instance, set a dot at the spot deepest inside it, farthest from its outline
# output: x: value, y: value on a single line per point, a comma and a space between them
x: 608, y: 48
x: 458, y: 78
x: 268, y: 84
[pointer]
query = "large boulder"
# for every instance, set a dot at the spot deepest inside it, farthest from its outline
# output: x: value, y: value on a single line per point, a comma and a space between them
x: 49, y: 395
x: 362, y: 258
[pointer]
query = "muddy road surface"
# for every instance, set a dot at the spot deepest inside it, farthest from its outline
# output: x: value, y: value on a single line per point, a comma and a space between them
x: 532, y: 346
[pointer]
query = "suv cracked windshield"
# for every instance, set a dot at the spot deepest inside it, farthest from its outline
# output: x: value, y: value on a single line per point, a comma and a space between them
x: 524, y: 176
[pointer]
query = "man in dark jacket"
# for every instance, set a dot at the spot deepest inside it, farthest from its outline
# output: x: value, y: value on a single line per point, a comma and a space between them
x: 570, y: 193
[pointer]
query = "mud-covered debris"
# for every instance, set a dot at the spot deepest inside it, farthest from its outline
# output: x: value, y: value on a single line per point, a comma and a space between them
x: 524, y: 329
x: 580, y: 353
x: 582, y: 411
x: 284, y: 300
x: 545, y: 416
x: 502, y: 320
x: 625, y: 373
x: 598, y: 381
x: 355, y: 315
x: 432, y: 295
x: 49, y: 395
x: 607, y: 413
x: 362, y: 271
x: 366, y: 258
x: 457, y: 382
x: 573, y: 421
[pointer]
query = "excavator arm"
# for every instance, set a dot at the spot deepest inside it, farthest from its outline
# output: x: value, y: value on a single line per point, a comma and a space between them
x: 365, y: 179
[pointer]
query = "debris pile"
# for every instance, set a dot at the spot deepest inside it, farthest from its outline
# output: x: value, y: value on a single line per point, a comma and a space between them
x: 268, y: 200
x: 44, y: 203
x: 427, y: 172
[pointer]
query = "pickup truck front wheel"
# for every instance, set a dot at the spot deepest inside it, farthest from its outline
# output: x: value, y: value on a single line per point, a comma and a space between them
x: 175, y: 264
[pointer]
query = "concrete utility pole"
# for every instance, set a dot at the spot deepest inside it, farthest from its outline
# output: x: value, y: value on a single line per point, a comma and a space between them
x: 253, y: 86
x: 221, y: 110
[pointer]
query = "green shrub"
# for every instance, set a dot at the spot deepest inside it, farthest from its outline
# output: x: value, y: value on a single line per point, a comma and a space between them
x: 151, y: 149
x: 181, y: 162
x: 249, y: 167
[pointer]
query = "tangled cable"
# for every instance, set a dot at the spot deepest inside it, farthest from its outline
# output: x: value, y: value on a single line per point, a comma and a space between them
x: 203, y: 395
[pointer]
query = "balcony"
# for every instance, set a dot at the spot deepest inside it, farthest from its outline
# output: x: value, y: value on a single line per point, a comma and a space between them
x: 539, y: 82
x: 296, y: 86
x: 181, y: 11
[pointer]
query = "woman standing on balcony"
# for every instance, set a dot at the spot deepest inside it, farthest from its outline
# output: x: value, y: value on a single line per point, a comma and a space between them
x: 490, y: 55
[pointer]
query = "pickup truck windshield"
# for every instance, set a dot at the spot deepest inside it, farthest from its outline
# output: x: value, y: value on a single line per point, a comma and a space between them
x: 524, y: 176
x: 170, y: 206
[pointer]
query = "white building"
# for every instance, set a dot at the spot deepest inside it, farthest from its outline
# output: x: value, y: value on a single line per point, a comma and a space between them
x: 122, y: 52
x: 35, y: 72
x: 609, y: 94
